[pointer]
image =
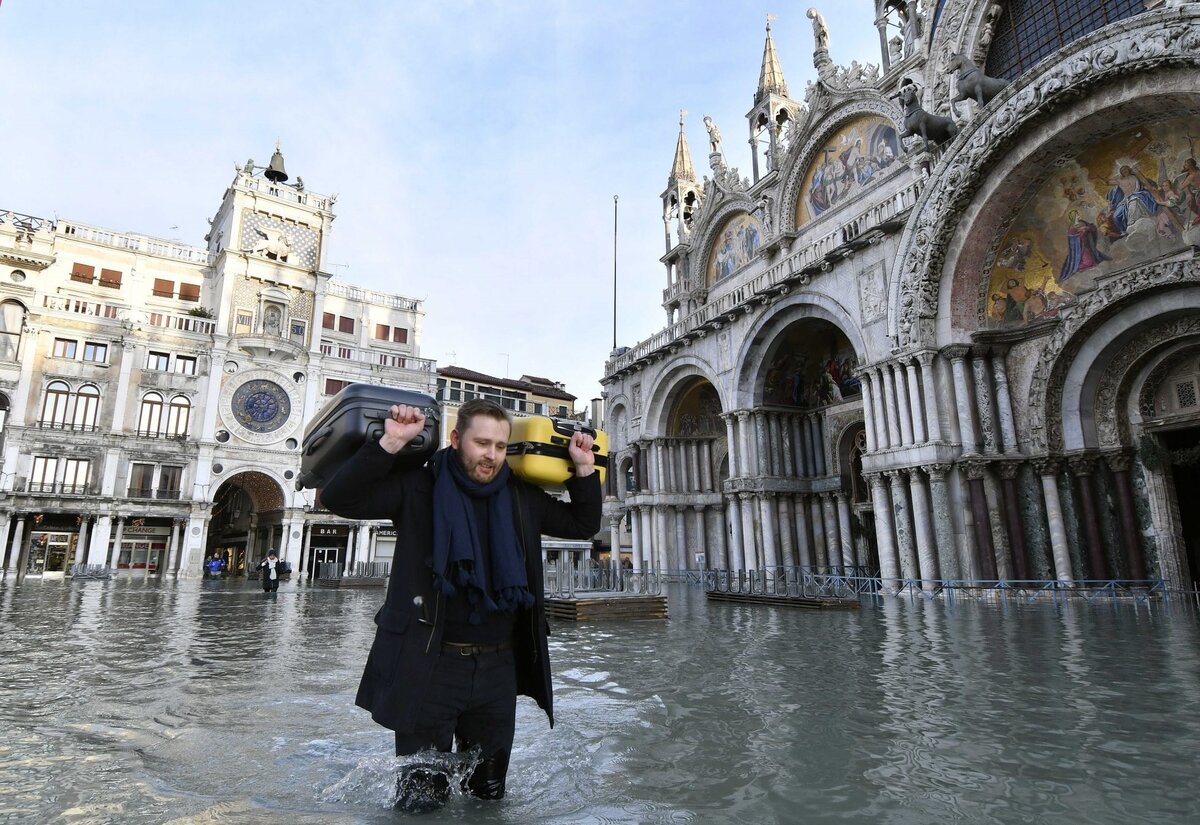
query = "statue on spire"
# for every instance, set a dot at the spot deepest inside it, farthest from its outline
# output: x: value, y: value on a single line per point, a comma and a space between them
x: 714, y: 136
x: 820, y: 30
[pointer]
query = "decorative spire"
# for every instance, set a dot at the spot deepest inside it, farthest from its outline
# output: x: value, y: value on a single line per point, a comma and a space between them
x: 682, y: 169
x: 770, y: 79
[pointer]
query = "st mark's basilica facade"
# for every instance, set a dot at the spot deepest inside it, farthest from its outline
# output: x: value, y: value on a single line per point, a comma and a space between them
x: 947, y: 325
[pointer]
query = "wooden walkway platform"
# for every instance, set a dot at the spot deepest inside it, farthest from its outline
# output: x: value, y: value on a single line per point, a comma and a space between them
x: 606, y: 606
x: 806, y: 602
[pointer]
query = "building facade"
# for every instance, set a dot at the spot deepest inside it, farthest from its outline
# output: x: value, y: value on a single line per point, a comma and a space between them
x: 948, y: 326
x: 154, y: 394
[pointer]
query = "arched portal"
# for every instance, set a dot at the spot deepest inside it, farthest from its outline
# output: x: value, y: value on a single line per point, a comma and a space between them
x: 246, y: 522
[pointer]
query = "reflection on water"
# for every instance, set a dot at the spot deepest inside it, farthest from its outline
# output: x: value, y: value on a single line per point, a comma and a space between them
x: 210, y: 702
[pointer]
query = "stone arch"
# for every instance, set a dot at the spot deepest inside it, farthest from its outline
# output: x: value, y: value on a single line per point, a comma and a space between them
x: 713, y: 226
x: 1074, y: 358
x: 675, y: 376
x: 856, y: 105
x: 748, y: 390
x: 1132, y: 48
x: 262, y: 484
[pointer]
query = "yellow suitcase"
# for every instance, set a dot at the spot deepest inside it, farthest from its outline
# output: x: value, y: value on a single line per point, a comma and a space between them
x: 537, y: 449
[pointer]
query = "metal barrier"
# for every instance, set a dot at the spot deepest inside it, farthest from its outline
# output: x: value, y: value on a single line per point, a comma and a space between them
x: 813, y: 582
x: 358, y: 570
x: 564, y: 581
x: 91, y: 571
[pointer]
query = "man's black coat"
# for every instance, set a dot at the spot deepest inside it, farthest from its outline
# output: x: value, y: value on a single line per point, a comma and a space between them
x: 408, y: 635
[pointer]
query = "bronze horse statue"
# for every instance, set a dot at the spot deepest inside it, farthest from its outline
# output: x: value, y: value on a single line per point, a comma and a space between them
x: 931, y: 128
x: 972, y: 82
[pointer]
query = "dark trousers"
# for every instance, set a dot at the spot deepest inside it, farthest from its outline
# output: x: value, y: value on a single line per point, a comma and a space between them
x: 471, y: 702
x: 269, y: 583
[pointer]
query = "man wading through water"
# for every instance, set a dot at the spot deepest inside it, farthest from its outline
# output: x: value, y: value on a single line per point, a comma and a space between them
x: 462, y: 630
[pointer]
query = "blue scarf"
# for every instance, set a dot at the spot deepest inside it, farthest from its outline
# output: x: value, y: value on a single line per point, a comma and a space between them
x: 457, y: 552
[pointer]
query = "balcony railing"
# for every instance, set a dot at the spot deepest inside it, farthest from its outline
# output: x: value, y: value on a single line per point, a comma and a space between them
x: 136, y: 243
x: 70, y: 426
x: 168, y: 494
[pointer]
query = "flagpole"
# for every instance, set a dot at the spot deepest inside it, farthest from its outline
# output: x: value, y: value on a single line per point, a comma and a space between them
x: 614, y: 273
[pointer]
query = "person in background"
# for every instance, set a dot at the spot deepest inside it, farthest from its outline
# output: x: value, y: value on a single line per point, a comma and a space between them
x: 270, y: 572
x: 462, y: 631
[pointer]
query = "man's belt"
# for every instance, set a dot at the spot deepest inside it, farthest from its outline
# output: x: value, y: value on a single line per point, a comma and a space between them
x: 471, y: 649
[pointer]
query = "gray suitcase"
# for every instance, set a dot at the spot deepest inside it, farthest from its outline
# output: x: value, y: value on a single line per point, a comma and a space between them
x: 354, y: 415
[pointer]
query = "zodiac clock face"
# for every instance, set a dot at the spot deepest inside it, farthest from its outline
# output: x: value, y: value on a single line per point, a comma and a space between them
x: 258, y: 407
x: 261, y: 406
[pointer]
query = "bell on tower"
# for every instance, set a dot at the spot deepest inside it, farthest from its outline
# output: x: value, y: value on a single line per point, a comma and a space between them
x: 275, y: 171
x: 773, y: 113
x: 682, y: 196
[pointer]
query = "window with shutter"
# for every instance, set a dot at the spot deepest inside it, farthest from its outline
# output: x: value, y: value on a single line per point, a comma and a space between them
x: 164, y: 288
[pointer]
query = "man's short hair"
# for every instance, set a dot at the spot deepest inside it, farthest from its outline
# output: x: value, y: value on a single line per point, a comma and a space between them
x: 479, y: 406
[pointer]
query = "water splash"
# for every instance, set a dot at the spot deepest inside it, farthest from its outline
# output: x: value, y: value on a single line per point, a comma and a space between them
x: 382, y: 781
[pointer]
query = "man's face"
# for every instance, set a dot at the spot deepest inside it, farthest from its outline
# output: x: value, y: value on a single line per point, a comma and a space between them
x: 481, y: 448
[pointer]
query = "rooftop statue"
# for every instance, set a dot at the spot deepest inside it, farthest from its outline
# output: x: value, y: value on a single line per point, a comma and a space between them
x: 820, y: 30
x: 714, y: 135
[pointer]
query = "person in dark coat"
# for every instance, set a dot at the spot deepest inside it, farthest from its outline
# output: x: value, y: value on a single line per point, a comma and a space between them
x: 462, y: 631
x: 270, y: 572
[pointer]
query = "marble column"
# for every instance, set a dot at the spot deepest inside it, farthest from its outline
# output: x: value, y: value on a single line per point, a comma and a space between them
x: 14, y: 548
x: 614, y: 538
x: 649, y: 551
x: 1131, y: 536
x: 933, y: 426
x: 833, y: 542
x: 694, y: 477
x: 305, y: 552
x: 635, y: 537
x: 787, y: 550
x: 663, y: 557
x: 750, y: 552
x: 743, y: 430
x: 808, y: 467
x: 770, y: 555
x: 868, y: 412
x: 984, y: 403
x: 985, y: 548
x: 804, y: 546
x: 1013, y: 524
x: 843, y: 511
x: 943, y: 526
x: 682, y: 557
x: 774, y: 442
x: 788, y: 463
x: 171, y: 562
x: 914, y: 401
x: 702, y: 545
x: 706, y: 471
x: 923, y: 521
x: 885, y: 535
x: 883, y: 438
x: 731, y: 441
x: 962, y: 399
x: 1004, y: 406
x: 111, y: 555
x: 796, y: 427
x: 722, y: 535
x: 906, y: 548
x: 1047, y: 469
x: 890, y: 407
x: 734, y: 517
x: 818, y: 442
x: 83, y: 549
x: 820, y: 540
x: 902, y: 396
x: 1082, y: 467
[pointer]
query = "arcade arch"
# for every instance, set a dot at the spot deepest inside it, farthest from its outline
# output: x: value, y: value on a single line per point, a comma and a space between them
x: 246, y: 521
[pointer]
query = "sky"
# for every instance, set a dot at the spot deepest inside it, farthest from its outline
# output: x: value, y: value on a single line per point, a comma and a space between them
x: 475, y: 147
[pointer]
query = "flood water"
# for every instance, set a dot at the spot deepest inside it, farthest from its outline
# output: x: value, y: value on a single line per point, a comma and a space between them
x: 210, y: 702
